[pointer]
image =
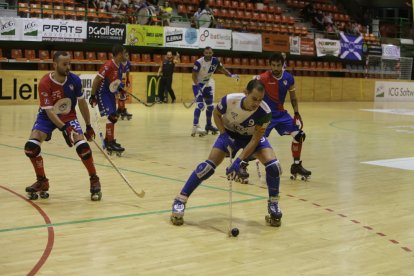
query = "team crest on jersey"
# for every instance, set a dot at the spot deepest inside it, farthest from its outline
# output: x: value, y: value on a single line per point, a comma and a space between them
x: 234, y: 115
x: 71, y: 87
x: 251, y: 122
x: 285, y: 82
x: 44, y: 94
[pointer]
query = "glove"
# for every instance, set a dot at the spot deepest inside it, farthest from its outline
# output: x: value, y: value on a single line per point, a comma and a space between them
x: 90, y: 133
x: 235, y: 76
x: 297, y: 120
x: 198, y: 89
x: 234, y: 168
x: 68, y: 132
x: 93, y: 101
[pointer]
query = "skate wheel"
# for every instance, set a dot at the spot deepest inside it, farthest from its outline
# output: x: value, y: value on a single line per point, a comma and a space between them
x: 33, y: 196
x: 122, y: 118
x: 245, y: 181
x: 292, y: 177
x: 177, y: 221
x: 109, y: 152
x: 214, y: 132
x: 96, y: 196
x: 44, y: 195
x: 129, y: 118
x: 193, y: 134
x: 118, y: 153
x: 273, y: 222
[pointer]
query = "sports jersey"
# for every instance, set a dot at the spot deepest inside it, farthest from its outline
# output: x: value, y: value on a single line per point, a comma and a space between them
x: 241, y: 123
x: 276, y: 90
x: 124, y: 67
x: 110, y: 72
x: 205, y: 69
x: 167, y: 68
x: 53, y: 93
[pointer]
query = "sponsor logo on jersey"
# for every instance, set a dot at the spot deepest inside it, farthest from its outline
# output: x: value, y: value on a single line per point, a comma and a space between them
x: 285, y: 82
x: 234, y: 115
x: 71, y: 87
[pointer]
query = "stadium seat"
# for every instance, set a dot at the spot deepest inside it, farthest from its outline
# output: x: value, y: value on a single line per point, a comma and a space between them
x: 1, y: 56
x: 103, y: 16
x: 157, y: 58
x: 78, y: 55
x: 70, y: 13
x: 92, y: 15
x: 58, y: 12
x: 91, y: 57
x: 30, y: 55
x: 185, y: 59
x: 35, y: 10
x: 47, y: 11
x: 250, y: 6
x: 135, y: 58
x: 23, y: 9
x: 146, y: 58
x: 102, y: 56
x: 80, y: 13
x: 17, y: 54
x: 44, y: 55
x: 193, y: 59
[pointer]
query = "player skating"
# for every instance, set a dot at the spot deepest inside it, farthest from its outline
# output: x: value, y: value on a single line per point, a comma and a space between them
x: 59, y: 92
x: 242, y: 119
x: 104, y: 87
x: 124, y: 69
x: 203, y: 89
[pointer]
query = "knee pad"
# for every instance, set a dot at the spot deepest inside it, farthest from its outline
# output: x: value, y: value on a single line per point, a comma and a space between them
x: 113, y: 118
x: 273, y: 168
x: 83, y: 149
x: 210, y: 107
x: 32, y: 148
x: 205, y: 169
x: 300, y: 137
x: 200, y: 105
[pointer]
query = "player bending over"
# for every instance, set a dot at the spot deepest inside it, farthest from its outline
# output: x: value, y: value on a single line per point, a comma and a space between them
x: 242, y: 119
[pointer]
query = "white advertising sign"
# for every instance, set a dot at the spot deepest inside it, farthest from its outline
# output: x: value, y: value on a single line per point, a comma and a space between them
x: 215, y: 38
x: 387, y: 91
x: 326, y: 47
x: 181, y: 37
x: 23, y: 29
x: 294, y: 42
x: 390, y: 51
x: 64, y: 30
x: 247, y: 42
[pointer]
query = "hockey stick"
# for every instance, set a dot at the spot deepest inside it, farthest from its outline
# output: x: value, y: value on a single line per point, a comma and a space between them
x: 136, y: 98
x: 230, y: 197
x: 99, y: 127
x: 142, y: 193
x: 188, y: 105
x: 259, y: 174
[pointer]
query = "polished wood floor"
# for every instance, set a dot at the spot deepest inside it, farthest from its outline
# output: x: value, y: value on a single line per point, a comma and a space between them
x: 351, y: 218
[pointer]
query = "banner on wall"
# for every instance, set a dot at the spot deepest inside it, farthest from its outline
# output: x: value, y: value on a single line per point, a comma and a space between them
x: 246, y: 42
x: 64, y: 30
x: 87, y: 80
x: 372, y: 49
x: 106, y: 33
x: 181, y: 37
x: 215, y: 38
x: 390, y: 51
x: 143, y: 35
x: 19, y: 87
x: 276, y: 43
x: 153, y: 82
x: 386, y: 91
x: 307, y: 46
x: 23, y: 29
x: 327, y: 47
x: 294, y: 42
x: 351, y: 46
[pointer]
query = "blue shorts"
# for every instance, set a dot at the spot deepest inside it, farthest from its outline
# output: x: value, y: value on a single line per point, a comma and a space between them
x: 283, y: 124
x: 45, y: 125
x: 106, y: 103
x: 239, y: 144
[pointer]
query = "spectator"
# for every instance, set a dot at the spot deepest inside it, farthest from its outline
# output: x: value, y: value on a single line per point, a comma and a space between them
x: 166, y: 13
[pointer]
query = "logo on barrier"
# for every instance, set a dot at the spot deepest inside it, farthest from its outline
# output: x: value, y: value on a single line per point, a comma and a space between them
x: 153, y: 82
x: 380, y: 91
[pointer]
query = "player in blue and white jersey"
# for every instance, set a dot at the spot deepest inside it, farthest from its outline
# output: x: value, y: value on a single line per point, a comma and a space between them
x: 203, y: 89
x: 242, y: 119
x: 124, y: 69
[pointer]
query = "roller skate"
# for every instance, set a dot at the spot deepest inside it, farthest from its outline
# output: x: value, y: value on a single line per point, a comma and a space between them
x: 275, y: 214
x: 213, y: 130
x: 95, y: 189
x: 39, y: 188
x: 178, y: 207
x: 243, y: 175
x: 297, y: 169
x: 113, y: 147
x: 197, y: 130
x: 124, y: 114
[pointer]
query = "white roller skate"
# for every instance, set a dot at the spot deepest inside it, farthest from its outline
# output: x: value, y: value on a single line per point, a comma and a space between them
x: 178, y: 208
x: 275, y: 214
x: 197, y: 130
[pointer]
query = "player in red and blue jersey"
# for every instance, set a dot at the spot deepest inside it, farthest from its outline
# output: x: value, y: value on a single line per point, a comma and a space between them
x: 59, y: 92
x: 278, y: 83
x: 105, y: 86
x: 124, y: 68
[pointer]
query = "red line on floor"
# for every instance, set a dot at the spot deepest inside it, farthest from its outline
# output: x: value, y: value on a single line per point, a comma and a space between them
x: 50, y: 232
